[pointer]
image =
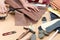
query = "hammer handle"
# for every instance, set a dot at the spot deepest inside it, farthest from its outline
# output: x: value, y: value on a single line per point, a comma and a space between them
x: 23, y: 34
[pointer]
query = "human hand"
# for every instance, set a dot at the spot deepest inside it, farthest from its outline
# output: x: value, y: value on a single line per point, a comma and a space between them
x: 29, y: 6
x: 3, y: 8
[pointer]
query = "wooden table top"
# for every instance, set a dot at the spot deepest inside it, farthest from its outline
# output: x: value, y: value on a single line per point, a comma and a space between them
x: 9, y: 25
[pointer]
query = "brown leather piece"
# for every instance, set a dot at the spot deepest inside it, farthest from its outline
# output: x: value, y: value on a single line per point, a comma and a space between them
x: 34, y: 16
x: 20, y: 19
x: 15, y: 5
x: 55, y: 4
x: 23, y: 20
x: 26, y: 17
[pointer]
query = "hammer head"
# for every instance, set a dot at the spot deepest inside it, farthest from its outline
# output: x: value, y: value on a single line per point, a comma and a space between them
x: 30, y: 30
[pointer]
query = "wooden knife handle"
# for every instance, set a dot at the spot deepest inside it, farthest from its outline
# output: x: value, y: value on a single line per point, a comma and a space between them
x: 23, y: 34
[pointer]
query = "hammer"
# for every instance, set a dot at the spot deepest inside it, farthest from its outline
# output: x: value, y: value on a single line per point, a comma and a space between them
x: 25, y: 33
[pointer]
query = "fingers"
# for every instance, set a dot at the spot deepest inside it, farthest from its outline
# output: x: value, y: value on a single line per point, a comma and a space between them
x: 35, y: 9
x: 31, y: 6
x: 27, y: 9
x: 5, y: 9
x: 2, y: 10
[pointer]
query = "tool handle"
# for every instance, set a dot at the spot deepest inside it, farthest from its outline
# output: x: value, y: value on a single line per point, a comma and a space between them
x: 9, y: 33
x: 54, y: 35
x: 23, y: 34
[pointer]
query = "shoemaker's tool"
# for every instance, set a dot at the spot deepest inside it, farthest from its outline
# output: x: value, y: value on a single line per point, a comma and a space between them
x: 8, y: 33
x: 33, y: 37
x: 58, y: 30
x: 56, y: 12
x: 53, y: 26
x: 50, y: 26
x: 25, y: 33
x: 42, y: 33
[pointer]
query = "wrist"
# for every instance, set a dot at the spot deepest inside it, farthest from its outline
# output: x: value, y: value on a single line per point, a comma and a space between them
x: 40, y: 1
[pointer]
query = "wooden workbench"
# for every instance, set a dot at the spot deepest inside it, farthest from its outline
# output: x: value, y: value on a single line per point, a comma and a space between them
x: 9, y: 25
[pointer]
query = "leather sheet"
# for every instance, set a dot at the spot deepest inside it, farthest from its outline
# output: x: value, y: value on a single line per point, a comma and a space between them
x: 55, y: 4
x: 21, y: 18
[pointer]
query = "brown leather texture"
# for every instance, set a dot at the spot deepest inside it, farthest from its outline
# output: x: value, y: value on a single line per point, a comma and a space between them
x: 25, y: 17
x: 55, y: 4
x: 23, y: 20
